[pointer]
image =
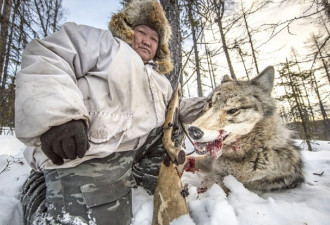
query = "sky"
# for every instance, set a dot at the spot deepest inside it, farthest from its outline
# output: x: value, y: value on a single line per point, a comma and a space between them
x: 98, y: 13
x: 280, y: 47
x: 95, y: 13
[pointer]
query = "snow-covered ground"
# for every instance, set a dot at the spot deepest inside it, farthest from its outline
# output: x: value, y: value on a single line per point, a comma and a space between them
x: 307, y: 205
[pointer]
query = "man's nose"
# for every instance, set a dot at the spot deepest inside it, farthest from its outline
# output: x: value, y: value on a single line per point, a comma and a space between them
x: 195, y: 132
x: 146, y: 43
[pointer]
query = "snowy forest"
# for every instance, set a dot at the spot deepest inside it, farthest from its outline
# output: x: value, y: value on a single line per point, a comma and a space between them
x: 210, y: 38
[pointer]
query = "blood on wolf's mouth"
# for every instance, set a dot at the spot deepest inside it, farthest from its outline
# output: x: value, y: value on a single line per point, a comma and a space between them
x: 214, y: 147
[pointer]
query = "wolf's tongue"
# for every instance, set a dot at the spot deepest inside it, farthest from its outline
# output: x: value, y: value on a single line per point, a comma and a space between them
x: 215, y: 147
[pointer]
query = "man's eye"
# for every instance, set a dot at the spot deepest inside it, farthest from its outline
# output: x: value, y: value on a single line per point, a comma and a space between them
x: 232, y: 111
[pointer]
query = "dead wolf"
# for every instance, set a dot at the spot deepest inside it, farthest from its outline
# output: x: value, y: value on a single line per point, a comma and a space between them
x: 244, y: 136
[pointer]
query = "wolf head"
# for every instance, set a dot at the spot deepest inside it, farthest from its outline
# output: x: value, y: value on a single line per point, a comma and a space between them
x: 235, y: 108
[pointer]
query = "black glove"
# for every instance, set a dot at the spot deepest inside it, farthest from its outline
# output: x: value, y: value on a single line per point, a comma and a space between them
x: 67, y: 141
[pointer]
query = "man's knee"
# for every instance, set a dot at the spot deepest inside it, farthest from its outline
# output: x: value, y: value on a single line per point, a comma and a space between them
x: 98, y: 190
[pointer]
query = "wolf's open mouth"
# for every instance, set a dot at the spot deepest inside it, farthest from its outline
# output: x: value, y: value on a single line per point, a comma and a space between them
x: 214, y: 147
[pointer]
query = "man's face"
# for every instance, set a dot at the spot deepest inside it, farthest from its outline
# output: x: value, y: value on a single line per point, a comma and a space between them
x: 145, y: 42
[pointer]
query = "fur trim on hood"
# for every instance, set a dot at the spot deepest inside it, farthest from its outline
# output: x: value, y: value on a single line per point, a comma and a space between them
x: 151, y: 14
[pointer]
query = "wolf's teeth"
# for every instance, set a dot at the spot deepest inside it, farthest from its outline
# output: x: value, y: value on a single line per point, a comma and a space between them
x: 201, y: 148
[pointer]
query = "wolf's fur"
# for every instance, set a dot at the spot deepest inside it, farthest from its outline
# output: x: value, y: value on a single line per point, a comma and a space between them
x: 257, y: 149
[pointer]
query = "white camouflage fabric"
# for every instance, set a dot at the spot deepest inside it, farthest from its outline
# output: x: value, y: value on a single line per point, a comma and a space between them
x: 102, y: 81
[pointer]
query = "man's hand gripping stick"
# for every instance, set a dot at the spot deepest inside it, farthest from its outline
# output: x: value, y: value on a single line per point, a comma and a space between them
x: 175, y: 153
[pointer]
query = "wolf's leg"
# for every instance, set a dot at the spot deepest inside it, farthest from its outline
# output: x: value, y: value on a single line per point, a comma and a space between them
x: 204, y: 163
x: 212, y: 173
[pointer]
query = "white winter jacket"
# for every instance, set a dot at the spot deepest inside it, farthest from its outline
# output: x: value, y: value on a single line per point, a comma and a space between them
x: 84, y: 73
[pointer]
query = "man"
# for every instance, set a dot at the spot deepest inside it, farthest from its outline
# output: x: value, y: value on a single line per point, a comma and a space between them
x: 85, y: 100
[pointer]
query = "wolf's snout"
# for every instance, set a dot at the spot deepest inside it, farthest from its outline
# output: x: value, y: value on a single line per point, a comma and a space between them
x: 195, y: 132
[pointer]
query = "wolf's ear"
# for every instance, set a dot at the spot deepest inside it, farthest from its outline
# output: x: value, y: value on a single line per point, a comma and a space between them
x: 225, y: 78
x: 266, y: 79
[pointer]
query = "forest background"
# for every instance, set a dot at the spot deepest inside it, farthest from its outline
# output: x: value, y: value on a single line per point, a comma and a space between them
x: 210, y: 38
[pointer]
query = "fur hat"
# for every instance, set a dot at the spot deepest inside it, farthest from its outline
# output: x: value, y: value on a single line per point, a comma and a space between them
x: 151, y: 14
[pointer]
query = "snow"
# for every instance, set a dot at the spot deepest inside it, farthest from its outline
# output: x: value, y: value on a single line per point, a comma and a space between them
x: 307, y: 204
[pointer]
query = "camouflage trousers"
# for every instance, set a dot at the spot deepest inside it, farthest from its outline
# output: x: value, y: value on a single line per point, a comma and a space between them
x: 97, y: 191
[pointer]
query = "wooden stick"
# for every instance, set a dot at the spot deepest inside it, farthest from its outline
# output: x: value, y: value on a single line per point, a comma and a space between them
x: 175, y: 153
x: 169, y: 204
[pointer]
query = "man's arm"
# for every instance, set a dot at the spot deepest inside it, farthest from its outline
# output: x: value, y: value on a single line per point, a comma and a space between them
x: 47, y: 94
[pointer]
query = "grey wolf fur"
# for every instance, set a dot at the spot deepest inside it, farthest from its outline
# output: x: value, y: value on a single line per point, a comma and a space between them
x: 243, y: 131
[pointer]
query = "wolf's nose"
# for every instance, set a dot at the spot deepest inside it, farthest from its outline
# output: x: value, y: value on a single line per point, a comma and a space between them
x: 195, y: 132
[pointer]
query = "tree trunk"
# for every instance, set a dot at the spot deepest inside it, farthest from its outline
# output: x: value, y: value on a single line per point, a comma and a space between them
x: 326, y: 6
x: 287, y: 93
x: 5, y: 22
x: 303, y: 118
x: 171, y: 8
x: 212, y: 72
x: 304, y: 86
x: 250, y: 40
x: 322, y: 108
x: 20, y: 22
x: 5, y: 14
x: 9, y: 46
x: 219, y: 11
x: 243, y: 61
x: 210, y: 68
x: 197, y: 62
x: 56, y: 13
x: 325, y: 66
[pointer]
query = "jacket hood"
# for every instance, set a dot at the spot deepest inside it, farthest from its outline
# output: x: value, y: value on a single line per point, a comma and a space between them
x: 151, y: 14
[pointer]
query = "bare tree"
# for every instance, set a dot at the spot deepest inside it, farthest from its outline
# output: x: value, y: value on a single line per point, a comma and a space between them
x: 193, y: 25
x: 172, y: 11
x: 21, y: 21
x: 321, y: 57
x: 295, y: 95
x: 4, y: 29
x: 219, y: 9
x: 304, y: 76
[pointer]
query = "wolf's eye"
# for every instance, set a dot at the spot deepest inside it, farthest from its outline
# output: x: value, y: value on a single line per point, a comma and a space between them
x: 232, y: 111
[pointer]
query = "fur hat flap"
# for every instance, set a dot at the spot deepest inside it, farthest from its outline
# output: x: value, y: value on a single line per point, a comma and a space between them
x: 151, y: 14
